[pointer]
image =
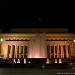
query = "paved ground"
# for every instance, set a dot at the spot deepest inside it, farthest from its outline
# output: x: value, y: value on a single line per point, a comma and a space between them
x: 24, y: 71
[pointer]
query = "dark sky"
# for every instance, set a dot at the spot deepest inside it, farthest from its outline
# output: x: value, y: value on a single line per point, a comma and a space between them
x: 20, y: 14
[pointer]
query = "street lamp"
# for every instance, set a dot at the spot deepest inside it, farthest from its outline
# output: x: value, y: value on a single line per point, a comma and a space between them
x: 1, y: 40
x: 74, y: 40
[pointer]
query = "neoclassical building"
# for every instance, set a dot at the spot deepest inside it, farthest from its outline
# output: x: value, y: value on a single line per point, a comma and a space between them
x: 26, y: 43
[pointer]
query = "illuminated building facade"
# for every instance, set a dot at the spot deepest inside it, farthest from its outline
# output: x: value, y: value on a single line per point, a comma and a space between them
x: 52, y: 43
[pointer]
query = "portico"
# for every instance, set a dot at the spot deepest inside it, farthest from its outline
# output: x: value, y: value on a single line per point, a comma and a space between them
x: 50, y: 46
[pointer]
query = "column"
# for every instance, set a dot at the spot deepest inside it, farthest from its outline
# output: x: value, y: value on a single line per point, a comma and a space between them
x: 54, y: 51
x: 15, y: 51
x: 61, y: 51
x: 69, y: 51
x: 66, y: 51
x: 11, y: 52
x: 50, y: 51
x: 57, y: 51
x: 27, y: 51
x: 7, y: 51
x: 23, y: 51
x: 22, y: 48
x: 19, y: 51
x: 0, y: 50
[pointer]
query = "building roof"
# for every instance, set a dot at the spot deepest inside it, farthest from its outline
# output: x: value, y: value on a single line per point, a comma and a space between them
x: 39, y: 30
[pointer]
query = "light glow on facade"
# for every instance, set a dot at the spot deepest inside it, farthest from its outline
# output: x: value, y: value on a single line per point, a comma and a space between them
x: 47, y: 61
x: 56, y: 61
x: 74, y: 40
x: 18, y: 61
x: 60, y: 61
x: 24, y: 61
x: 14, y: 61
x: 34, y: 45
x: 29, y: 62
x: 1, y: 39
x: 37, y: 47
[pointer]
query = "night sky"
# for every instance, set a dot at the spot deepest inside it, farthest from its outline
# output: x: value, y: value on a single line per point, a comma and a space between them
x: 16, y: 13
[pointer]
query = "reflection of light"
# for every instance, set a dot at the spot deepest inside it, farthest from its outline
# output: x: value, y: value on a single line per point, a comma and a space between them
x: 43, y: 66
x: 47, y: 61
x: 60, y: 61
x: 18, y: 61
x: 24, y: 61
x: 29, y: 62
x: 14, y: 61
x: 40, y: 57
x: 55, y: 60
x: 36, y: 57
x: 30, y: 57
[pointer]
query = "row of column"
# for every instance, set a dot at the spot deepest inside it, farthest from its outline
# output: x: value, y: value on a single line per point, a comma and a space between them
x: 20, y: 51
x: 59, y: 51
x: 17, y: 51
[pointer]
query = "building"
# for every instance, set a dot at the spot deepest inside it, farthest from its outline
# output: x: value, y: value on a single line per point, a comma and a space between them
x: 53, y: 44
